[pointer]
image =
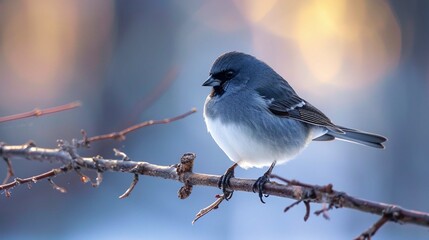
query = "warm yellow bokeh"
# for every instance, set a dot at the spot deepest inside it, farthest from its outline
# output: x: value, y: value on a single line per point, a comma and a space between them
x: 342, y: 43
x: 41, y: 39
x: 255, y: 10
x: 41, y: 42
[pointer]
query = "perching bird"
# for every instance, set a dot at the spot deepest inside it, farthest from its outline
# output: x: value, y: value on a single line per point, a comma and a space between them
x: 258, y: 120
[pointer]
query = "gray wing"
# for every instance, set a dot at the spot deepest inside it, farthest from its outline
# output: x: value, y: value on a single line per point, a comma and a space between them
x: 284, y: 102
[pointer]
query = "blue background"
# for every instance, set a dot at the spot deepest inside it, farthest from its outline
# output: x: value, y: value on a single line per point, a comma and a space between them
x: 364, y: 63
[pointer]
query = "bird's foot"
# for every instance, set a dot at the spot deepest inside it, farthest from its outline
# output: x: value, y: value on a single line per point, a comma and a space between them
x: 224, y: 182
x: 258, y: 186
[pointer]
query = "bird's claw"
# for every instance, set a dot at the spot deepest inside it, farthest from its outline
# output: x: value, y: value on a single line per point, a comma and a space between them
x: 224, y: 182
x: 258, y: 186
x: 260, y: 182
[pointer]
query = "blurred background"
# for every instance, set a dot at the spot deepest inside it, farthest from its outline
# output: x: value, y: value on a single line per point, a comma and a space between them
x: 364, y: 63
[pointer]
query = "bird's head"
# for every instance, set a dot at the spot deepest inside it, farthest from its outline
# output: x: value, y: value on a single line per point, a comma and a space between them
x: 234, y: 71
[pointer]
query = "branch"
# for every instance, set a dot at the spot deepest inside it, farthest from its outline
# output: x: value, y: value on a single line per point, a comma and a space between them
x: 183, y: 173
x: 39, y: 112
x: 121, y: 134
x: 68, y: 155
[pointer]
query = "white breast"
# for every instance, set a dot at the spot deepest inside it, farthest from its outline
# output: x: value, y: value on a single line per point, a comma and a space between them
x: 242, y: 148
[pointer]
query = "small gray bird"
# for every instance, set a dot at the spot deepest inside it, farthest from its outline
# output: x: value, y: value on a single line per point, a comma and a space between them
x: 258, y: 120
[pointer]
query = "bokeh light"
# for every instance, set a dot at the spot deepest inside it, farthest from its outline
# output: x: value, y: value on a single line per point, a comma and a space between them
x: 364, y: 63
x: 41, y: 43
x: 330, y: 33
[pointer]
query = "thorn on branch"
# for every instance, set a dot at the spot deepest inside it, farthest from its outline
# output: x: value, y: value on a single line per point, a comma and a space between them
x: 209, y: 208
x: 130, y: 189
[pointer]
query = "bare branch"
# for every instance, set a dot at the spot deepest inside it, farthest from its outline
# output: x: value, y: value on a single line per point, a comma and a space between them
x: 389, y: 214
x: 209, y: 208
x: 36, y: 178
x: 183, y: 172
x: 39, y: 112
x: 121, y: 134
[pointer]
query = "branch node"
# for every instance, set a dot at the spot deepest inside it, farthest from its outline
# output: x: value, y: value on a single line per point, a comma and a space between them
x: 373, y: 229
x: 84, y: 142
x: 185, y: 190
x: 39, y: 112
x: 393, y: 213
x: 306, y: 198
x: 29, y: 144
x: 19, y: 180
x: 186, y: 165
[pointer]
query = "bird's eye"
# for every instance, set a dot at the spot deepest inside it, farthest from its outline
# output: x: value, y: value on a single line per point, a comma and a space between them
x: 225, y: 75
x: 229, y: 74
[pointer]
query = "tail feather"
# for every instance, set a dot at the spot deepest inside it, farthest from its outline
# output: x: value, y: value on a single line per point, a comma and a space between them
x: 356, y: 136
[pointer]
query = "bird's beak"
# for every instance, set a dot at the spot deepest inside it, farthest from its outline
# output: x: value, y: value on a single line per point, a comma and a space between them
x: 212, y: 82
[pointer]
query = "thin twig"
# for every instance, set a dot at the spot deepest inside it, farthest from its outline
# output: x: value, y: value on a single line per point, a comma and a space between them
x: 10, y: 172
x: 131, y: 188
x: 292, y: 205
x: 121, y: 134
x: 56, y: 187
x: 307, y: 210
x: 324, y: 211
x: 39, y: 112
x: 34, y: 179
x: 209, y: 208
x: 373, y: 229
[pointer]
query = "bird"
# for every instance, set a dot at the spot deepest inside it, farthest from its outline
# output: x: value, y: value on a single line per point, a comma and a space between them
x: 258, y: 119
